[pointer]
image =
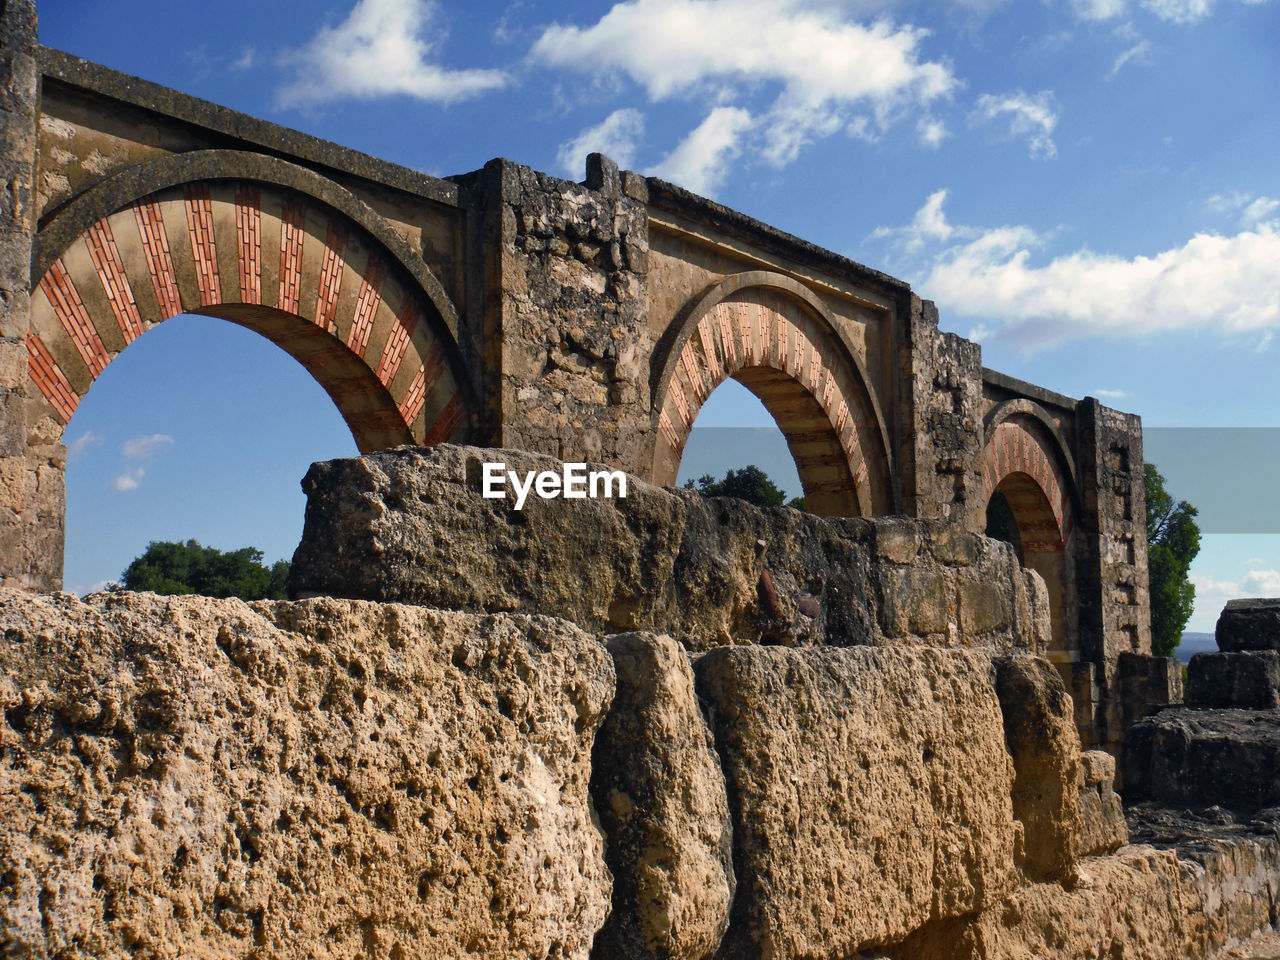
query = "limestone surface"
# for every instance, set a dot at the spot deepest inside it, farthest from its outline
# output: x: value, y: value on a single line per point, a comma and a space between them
x: 1249, y: 624
x: 1102, y: 823
x: 857, y: 814
x: 206, y: 778
x: 660, y: 795
x: 411, y: 525
x: 1041, y: 734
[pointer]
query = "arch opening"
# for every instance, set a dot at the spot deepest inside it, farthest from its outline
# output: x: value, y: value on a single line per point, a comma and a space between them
x: 784, y: 353
x: 1029, y: 506
x: 278, y: 262
x: 202, y: 430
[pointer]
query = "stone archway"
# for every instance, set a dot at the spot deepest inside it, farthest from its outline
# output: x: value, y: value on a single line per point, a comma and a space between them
x: 263, y: 252
x: 776, y: 342
x: 1030, y: 504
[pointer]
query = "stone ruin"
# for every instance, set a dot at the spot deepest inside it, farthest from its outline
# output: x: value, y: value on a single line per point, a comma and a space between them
x: 660, y: 726
x: 664, y: 726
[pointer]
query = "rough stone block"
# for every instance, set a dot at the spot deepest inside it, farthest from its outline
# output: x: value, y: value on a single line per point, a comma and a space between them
x: 660, y: 795
x: 206, y: 778
x: 1039, y: 727
x: 1187, y: 756
x: 411, y: 525
x: 1102, y: 825
x: 1249, y: 624
x: 1249, y: 679
x: 856, y: 815
x: 1097, y: 767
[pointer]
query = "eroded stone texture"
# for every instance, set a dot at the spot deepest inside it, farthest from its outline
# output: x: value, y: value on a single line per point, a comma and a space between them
x: 856, y: 814
x: 660, y: 795
x: 1249, y: 624
x: 1102, y: 823
x: 1250, y: 679
x: 1188, y: 756
x: 410, y: 525
x: 1230, y: 869
x: 196, y: 777
x: 1040, y: 730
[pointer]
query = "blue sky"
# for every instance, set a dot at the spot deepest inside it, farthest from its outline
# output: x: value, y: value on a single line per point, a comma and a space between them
x: 1088, y: 187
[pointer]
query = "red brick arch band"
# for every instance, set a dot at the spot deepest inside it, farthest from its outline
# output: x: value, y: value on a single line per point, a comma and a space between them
x: 252, y: 254
x: 1013, y: 448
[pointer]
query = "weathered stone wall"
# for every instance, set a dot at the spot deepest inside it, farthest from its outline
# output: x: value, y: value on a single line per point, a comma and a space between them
x: 411, y: 525
x: 942, y: 389
x: 193, y: 777
x: 32, y: 457
x: 565, y: 308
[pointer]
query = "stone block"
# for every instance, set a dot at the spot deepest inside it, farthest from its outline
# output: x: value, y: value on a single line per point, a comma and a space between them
x: 411, y: 525
x: 856, y: 815
x: 660, y: 795
x: 1249, y: 679
x: 983, y: 607
x: 197, y: 777
x: 1102, y: 823
x: 1249, y: 624
x: 1040, y: 730
x: 1184, y: 755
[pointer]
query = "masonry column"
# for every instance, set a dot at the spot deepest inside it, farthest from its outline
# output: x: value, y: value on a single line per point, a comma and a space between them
x: 565, y: 312
x: 944, y: 433
x: 32, y: 458
x: 1112, y: 577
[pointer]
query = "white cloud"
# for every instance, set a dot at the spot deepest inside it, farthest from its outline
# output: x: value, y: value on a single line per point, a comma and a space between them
x: 383, y: 48
x: 1030, y: 117
x: 81, y: 444
x: 1252, y: 562
x: 819, y: 72
x: 1254, y: 212
x: 128, y: 480
x: 248, y: 57
x: 932, y: 132
x: 701, y: 160
x: 1211, y: 282
x: 1263, y: 583
x: 1138, y: 53
x: 929, y: 224
x: 1098, y: 9
x: 1112, y: 394
x: 1178, y: 11
x: 144, y: 447
x: 617, y: 135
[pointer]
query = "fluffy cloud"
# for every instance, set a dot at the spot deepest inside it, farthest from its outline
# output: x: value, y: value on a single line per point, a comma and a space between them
x: 1252, y: 212
x: 137, y: 452
x: 617, y: 135
x: 702, y: 158
x: 1227, y: 282
x: 820, y: 72
x: 1030, y: 117
x: 382, y: 48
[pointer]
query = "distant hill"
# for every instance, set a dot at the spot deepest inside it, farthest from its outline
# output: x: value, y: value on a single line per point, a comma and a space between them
x: 1193, y: 643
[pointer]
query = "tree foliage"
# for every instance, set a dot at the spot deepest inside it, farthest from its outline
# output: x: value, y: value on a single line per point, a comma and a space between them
x: 750, y: 484
x: 172, y: 568
x: 1173, y: 540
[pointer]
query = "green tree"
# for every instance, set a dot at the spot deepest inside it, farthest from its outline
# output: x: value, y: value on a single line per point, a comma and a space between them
x: 750, y: 484
x: 1173, y: 540
x: 171, y: 568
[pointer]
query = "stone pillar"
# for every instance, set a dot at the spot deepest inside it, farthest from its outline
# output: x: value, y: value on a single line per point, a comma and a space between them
x: 944, y: 430
x: 1112, y: 577
x: 566, y: 311
x: 32, y: 458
